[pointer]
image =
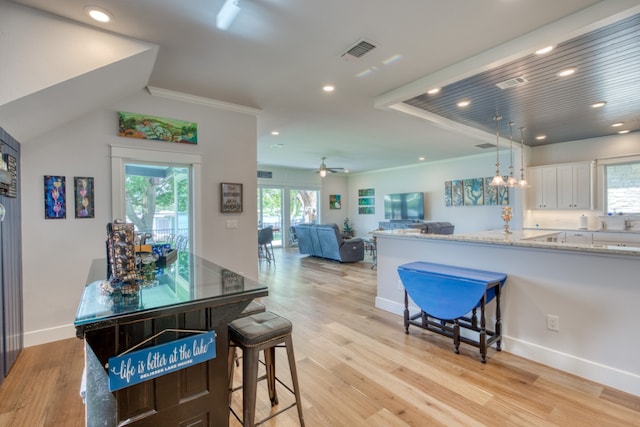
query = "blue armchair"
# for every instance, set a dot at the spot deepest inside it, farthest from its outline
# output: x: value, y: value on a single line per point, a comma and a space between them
x: 325, y: 241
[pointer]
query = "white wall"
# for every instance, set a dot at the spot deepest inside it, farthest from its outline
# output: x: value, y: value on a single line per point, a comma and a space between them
x: 57, y: 253
x: 430, y: 178
x: 336, y: 184
x: 32, y: 57
x: 586, y: 149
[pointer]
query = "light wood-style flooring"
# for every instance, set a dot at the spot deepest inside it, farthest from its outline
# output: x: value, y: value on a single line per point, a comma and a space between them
x: 356, y: 367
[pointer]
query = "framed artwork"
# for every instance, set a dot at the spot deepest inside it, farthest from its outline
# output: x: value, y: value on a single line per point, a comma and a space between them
x: 366, y: 192
x: 334, y: 201
x: 447, y: 193
x: 133, y: 125
x: 55, y: 197
x: 503, y: 196
x: 230, y: 197
x: 83, y: 190
x: 366, y: 210
x: 366, y: 201
x: 473, y: 194
x: 457, y: 198
x: 490, y: 192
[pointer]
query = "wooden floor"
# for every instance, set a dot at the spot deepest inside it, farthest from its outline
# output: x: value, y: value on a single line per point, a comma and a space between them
x: 356, y: 367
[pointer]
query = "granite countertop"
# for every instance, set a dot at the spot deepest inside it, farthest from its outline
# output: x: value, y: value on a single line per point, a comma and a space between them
x: 520, y: 238
x: 586, y: 230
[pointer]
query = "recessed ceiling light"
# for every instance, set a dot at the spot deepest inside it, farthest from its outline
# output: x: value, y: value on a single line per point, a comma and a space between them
x: 275, y: 133
x: 433, y: 91
x: 624, y: 131
x: 421, y: 158
x: 541, y: 137
x: 599, y: 104
x: 97, y: 13
x: 544, y: 50
x: 328, y: 88
x: 464, y: 103
x: 617, y: 125
x: 567, y: 72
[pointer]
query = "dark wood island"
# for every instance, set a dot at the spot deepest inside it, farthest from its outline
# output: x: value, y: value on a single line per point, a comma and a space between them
x: 188, y: 297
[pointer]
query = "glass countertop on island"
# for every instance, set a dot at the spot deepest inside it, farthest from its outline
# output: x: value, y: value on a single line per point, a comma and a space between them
x: 190, y: 280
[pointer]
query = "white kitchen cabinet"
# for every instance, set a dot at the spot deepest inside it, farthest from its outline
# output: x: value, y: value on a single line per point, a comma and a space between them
x: 543, y: 193
x: 574, y: 186
x: 566, y: 186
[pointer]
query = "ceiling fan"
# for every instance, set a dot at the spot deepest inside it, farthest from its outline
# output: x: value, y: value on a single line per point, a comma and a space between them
x: 324, y: 170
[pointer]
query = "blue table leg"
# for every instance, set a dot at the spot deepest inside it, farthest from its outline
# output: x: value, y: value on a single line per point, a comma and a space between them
x: 483, y: 330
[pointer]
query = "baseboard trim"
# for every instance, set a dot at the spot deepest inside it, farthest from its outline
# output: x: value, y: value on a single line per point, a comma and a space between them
x: 43, y: 336
x: 590, y: 370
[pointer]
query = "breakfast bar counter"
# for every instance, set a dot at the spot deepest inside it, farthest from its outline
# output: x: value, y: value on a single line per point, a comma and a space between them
x: 567, y: 305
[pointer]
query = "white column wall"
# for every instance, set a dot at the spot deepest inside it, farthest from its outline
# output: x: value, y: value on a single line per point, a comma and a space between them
x: 57, y: 253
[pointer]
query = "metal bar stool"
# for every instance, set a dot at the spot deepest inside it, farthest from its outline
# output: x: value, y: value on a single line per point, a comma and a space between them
x: 261, y: 332
x: 254, y: 307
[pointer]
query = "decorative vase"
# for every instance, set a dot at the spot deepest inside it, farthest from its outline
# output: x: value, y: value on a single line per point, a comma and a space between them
x: 506, y: 216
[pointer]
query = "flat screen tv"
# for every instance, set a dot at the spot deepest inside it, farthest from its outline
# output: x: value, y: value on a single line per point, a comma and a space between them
x: 404, y: 206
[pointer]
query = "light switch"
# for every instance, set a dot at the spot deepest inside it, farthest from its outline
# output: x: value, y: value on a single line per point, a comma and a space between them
x: 232, y: 223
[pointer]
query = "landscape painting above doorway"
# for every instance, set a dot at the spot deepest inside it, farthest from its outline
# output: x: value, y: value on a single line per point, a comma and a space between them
x: 133, y: 125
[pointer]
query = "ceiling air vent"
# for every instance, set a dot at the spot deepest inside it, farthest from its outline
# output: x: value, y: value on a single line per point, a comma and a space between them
x: 518, y: 81
x: 358, y: 50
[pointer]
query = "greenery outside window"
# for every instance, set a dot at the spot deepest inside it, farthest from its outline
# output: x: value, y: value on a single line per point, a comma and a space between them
x: 622, y: 188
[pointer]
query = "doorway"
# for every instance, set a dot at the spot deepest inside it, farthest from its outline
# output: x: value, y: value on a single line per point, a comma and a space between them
x: 186, y: 171
x: 270, y: 208
x: 158, y: 202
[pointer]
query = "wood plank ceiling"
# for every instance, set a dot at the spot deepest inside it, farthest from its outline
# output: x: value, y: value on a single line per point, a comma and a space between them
x: 607, y: 63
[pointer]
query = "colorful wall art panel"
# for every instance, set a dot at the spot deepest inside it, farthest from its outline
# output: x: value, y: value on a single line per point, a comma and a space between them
x: 447, y: 193
x: 133, y: 125
x: 366, y: 210
x: 490, y: 192
x: 503, y: 196
x: 473, y: 194
x: 366, y: 201
x: 83, y: 189
x: 55, y: 197
x: 457, y: 198
x: 334, y: 201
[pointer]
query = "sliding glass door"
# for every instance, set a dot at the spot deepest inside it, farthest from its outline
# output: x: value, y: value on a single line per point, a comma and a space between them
x: 301, y: 203
x: 270, y: 211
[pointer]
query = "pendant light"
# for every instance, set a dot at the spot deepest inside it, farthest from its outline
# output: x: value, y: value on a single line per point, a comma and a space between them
x: 497, y: 180
x: 511, y: 181
x: 523, y: 181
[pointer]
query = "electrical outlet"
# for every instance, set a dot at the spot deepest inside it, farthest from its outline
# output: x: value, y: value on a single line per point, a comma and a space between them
x: 399, y: 285
x: 553, y: 322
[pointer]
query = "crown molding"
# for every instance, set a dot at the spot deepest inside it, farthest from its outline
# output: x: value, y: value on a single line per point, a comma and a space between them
x: 201, y: 100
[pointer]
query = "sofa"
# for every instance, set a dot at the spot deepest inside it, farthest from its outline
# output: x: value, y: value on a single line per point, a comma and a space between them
x: 325, y: 241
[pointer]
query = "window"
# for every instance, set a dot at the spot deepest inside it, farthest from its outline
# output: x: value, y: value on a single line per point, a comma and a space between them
x: 622, y: 187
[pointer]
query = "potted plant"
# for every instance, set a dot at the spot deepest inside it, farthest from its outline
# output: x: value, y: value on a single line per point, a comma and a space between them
x: 347, y: 230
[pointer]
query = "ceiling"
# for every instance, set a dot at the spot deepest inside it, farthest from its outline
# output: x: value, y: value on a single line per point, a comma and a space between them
x: 278, y: 54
